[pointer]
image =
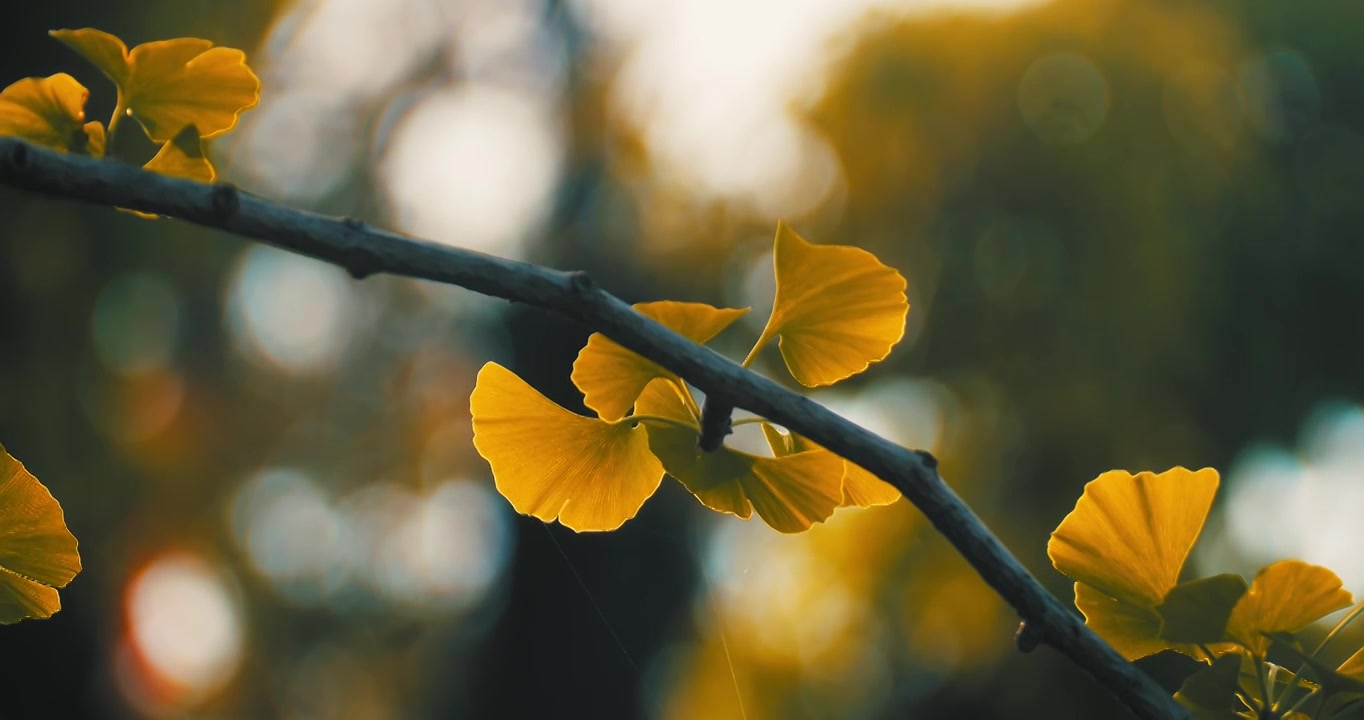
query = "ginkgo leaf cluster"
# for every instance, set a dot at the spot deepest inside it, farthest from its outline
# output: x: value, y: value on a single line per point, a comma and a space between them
x: 181, y: 92
x: 837, y: 310
x: 1125, y: 545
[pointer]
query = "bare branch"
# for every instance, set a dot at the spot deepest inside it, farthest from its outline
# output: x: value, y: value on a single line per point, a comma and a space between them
x: 364, y: 251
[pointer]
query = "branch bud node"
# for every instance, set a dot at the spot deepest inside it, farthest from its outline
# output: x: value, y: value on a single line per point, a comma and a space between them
x: 580, y: 282
x: 226, y: 203
x: 1028, y: 637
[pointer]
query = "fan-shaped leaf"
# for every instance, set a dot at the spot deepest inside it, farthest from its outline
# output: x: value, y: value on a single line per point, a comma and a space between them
x: 552, y: 463
x: 790, y: 493
x: 611, y: 377
x: 37, y: 553
x: 51, y: 112
x: 837, y: 310
x: 860, y: 487
x: 1129, y: 534
x: 169, y: 84
x: 1285, y: 597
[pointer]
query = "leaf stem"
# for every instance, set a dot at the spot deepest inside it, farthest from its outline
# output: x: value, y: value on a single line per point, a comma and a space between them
x: 1301, y: 701
x: 1266, y: 699
x: 749, y: 421
x: 687, y: 399
x: 1297, y: 681
x: 120, y: 109
x: 752, y: 355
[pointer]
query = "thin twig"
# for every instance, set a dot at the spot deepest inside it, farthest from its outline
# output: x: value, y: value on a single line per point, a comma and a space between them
x: 363, y: 251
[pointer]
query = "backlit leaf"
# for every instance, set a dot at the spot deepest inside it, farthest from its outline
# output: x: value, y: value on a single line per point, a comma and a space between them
x: 611, y: 377
x: 1129, y: 534
x: 779, y: 441
x: 789, y: 493
x: 861, y: 488
x: 1285, y: 597
x: 169, y: 84
x: 837, y: 308
x: 1133, y: 630
x: 552, y: 463
x: 107, y: 53
x: 1197, y: 611
x: 50, y: 111
x: 183, y: 157
x: 37, y: 553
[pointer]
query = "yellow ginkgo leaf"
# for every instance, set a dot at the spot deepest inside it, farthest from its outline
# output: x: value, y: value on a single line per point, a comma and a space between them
x: 1285, y: 597
x: 863, y: 489
x: 1132, y: 630
x: 552, y: 463
x: 1127, y: 539
x: 50, y: 111
x: 1129, y: 534
x: 790, y: 493
x: 169, y: 84
x: 611, y: 377
x: 37, y: 553
x: 780, y: 442
x: 837, y: 310
x: 860, y: 487
x: 183, y: 157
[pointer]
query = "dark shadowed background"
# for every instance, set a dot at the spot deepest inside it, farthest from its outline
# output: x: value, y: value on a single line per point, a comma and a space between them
x: 1133, y: 235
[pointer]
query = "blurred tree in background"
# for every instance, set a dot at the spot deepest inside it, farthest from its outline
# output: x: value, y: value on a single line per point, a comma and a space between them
x: 1131, y: 232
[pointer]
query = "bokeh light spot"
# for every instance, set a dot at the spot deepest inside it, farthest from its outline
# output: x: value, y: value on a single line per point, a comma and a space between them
x: 715, y: 88
x: 290, y: 311
x: 136, y: 323
x: 1280, y: 97
x: 184, y: 625
x: 1201, y: 108
x: 292, y: 535
x: 432, y: 553
x: 135, y: 408
x: 1305, y: 504
x: 474, y: 167
x: 910, y: 412
x: 353, y: 49
x: 1063, y: 99
x: 296, y: 147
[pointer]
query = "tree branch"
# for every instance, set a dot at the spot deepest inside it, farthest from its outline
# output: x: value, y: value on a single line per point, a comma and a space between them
x: 363, y: 251
x: 716, y: 422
